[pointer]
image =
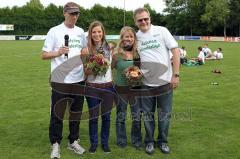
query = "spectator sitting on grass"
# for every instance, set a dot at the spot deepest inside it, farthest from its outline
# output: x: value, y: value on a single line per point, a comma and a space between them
x: 183, y: 55
x: 200, y: 60
x: 217, y: 55
x: 207, y: 52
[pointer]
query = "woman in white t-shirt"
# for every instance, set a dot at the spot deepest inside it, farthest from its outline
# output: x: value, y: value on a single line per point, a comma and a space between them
x: 99, y: 88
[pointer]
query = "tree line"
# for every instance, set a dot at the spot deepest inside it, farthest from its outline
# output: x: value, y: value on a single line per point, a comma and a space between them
x: 181, y: 17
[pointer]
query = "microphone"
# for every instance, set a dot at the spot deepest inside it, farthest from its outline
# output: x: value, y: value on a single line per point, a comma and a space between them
x: 66, y: 39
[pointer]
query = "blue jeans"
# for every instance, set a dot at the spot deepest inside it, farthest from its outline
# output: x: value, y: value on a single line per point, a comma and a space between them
x: 99, y: 99
x: 164, y: 109
x: 122, y: 103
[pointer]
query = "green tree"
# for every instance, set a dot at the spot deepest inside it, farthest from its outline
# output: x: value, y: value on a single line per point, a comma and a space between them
x: 183, y: 16
x: 216, y: 13
x: 36, y: 4
x: 156, y: 18
x: 53, y: 16
x: 234, y: 20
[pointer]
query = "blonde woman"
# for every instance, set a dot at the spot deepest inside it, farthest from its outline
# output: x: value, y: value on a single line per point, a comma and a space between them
x: 127, y: 56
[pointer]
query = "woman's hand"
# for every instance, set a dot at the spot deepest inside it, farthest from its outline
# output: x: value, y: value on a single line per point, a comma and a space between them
x: 84, y: 52
x: 88, y: 72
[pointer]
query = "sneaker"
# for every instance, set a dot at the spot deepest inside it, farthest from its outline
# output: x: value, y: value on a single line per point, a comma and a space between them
x: 75, y: 147
x: 106, y: 149
x: 92, y: 149
x: 138, y: 146
x: 55, y: 151
x: 149, y: 148
x: 164, y: 148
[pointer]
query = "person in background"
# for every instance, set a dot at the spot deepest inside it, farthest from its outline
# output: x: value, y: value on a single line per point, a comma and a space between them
x: 200, y: 60
x: 217, y: 55
x: 54, y: 49
x: 154, y: 43
x: 183, y: 55
x: 207, y: 52
x: 112, y: 45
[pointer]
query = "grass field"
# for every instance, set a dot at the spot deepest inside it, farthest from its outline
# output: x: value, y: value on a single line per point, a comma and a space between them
x: 205, y: 122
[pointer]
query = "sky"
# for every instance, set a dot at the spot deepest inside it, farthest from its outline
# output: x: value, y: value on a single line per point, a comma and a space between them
x: 157, y: 5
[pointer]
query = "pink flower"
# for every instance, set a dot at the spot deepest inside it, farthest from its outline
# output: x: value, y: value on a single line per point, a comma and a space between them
x: 98, y: 64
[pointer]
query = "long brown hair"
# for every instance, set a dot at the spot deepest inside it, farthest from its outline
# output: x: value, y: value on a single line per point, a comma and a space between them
x: 91, y: 46
x: 120, y: 45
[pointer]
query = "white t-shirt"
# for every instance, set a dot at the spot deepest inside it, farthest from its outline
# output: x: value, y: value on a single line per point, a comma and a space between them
x: 201, y: 56
x: 183, y: 53
x: 154, y: 46
x: 69, y: 72
x: 218, y: 55
x: 207, y: 51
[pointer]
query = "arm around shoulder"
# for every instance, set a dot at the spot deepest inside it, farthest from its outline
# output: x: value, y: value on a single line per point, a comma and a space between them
x: 114, y: 60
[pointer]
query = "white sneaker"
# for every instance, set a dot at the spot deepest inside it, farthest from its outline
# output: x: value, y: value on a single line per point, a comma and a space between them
x: 78, y: 149
x: 55, y: 151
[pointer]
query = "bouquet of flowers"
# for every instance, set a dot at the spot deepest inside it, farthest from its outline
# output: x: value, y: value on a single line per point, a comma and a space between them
x: 133, y: 76
x: 98, y: 64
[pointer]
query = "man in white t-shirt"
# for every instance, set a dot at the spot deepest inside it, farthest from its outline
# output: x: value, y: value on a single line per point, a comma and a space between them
x: 207, y: 52
x: 154, y: 43
x: 62, y: 46
x: 200, y: 60
x: 201, y: 56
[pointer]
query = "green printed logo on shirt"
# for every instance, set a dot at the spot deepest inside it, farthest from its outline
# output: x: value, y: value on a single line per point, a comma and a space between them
x: 150, y: 44
x: 75, y: 43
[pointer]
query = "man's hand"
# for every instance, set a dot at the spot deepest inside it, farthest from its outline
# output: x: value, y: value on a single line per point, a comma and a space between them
x: 63, y: 50
x: 174, y: 81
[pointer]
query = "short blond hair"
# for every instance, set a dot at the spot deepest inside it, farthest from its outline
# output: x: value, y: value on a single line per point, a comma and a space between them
x: 140, y: 10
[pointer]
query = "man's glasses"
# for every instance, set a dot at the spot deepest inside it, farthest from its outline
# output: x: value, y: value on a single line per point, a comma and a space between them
x: 74, y: 13
x: 143, y: 19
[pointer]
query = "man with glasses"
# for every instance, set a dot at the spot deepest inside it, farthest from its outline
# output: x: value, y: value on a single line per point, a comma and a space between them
x: 63, y: 44
x: 160, y: 75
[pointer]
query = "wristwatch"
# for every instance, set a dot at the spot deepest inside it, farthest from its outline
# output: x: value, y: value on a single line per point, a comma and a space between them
x: 176, y: 75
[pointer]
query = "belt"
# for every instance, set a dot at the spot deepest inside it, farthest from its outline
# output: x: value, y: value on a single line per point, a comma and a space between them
x: 160, y: 89
x: 100, y: 85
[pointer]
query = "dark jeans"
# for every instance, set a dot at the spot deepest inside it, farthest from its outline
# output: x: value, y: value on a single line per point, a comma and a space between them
x: 99, y: 100
x: 164, y: 108
x: 183, y: 60
x: 59, y: 102
x: 122, y: 103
